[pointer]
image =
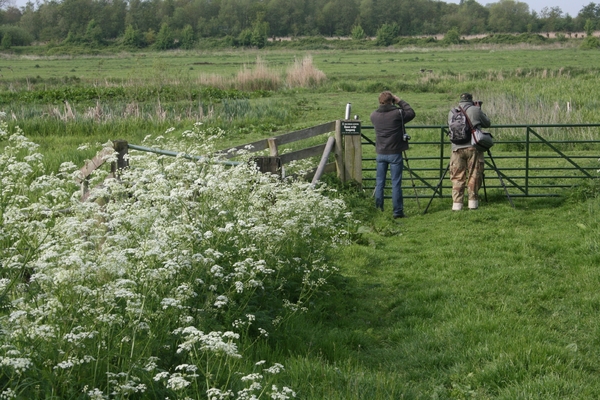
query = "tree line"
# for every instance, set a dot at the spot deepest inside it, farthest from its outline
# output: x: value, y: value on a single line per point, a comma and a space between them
x: 165, y: 24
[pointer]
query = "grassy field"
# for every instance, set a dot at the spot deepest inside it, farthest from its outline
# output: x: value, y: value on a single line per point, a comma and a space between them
x: 498, y: 303
x: 67, y: 101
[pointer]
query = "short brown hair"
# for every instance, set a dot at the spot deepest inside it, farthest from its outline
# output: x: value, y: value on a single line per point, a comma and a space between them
x: 386, y: 97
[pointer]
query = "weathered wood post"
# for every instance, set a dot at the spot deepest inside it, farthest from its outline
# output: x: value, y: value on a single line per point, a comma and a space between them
x: 352, y: 150
x: 271, y: 164
x: 339, y: 152
x: 122, y: 150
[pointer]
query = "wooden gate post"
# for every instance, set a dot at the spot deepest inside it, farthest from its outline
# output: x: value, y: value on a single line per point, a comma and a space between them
x: 121, y: 148
x: 352, y: 150
x: 339, y: 152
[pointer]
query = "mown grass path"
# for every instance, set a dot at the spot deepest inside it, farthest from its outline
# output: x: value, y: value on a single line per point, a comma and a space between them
x: 496, y: 303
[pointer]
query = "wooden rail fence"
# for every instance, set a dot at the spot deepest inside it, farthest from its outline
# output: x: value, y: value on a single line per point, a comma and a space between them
x: 344, y: 145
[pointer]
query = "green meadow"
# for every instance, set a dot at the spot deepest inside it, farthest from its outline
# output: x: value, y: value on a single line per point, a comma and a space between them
x: 497, y: 303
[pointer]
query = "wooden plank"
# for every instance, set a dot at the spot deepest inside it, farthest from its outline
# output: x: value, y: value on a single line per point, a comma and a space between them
x: 282, y: 139
x: 324, y: 158
x: 339, y: 152
x: 302, y: 154
x: 273, y: 150
x: 254, y: 147
x: 306, y: 133
x: 353, y: 158
x: 93, y: 164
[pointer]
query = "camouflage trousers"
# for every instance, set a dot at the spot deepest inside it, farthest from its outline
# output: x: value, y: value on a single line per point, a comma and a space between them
x: 467, y: 162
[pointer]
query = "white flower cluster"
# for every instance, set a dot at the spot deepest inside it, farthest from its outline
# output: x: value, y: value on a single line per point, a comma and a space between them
x: 174, y: 247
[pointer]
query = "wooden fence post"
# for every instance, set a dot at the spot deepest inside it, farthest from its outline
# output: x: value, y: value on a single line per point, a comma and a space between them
x: 273, y: 150
x: 122, y: 150
x: 270, y: 165
x: 339, y: 152
x: 350, y: 130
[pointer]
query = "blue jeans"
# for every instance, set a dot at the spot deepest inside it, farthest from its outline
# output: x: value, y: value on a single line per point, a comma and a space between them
x: 396, y: 166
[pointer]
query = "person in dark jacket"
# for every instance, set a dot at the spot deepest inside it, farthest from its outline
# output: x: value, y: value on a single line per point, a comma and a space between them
x: 466, y: 159
x: 390, y: 142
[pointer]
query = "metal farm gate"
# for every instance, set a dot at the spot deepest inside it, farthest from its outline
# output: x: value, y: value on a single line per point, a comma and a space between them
x: 534, y: 160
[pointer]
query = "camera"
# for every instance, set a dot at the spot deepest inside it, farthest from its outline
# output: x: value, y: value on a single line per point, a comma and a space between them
x: 478, y: 103
x: 406, y: 138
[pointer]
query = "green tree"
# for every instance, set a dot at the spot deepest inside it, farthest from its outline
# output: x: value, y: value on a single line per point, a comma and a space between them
x: 590, y: 41
x: 337, y: 17
x: 6, y: 41
x: 10, y: 16
x: 143, y: 16
x: 452, y: 37
x: 470, y: 18
x: 358, y: 33
x: 111, y: 18
x: 30, y: 20
x: 551, y: 19
x: 75, y: 16
x: 260, y: 32
x: 164, y: 38
x: 589, y: 12
x: 188, y: 39
x: 245, y: 37
x: 589, y: 28
x: 49, y: 16
x: 93, y: 33
x: 386, y: 34
x: 509, y: 16
x: 365, y: 14
x: 132, y: 37
x: 150, y: 37
x: 286, y: 17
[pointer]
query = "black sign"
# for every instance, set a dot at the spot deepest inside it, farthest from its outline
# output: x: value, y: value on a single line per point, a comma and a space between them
x: 350, y: 127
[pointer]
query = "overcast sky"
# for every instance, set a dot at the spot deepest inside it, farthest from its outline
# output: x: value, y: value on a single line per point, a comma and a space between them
x: 571, y: 7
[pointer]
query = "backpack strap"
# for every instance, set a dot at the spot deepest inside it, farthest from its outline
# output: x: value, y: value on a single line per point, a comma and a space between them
x: 463, y: 110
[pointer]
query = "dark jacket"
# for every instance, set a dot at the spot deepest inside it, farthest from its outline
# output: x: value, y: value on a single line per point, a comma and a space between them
x: 388, y: 121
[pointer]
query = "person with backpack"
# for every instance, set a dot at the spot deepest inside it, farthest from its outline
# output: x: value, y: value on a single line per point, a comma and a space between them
x: 466, y: 160
x: 391, y: 141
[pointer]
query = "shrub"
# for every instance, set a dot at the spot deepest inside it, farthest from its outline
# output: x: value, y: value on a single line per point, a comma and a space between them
x: 590, y: 43
x: 164, y: 38
x: 16, y: 36
x: 358, y: 33
x: 160, y: 284
x: 132, y: 37
x: 386, y: 34
x: 452, y: 37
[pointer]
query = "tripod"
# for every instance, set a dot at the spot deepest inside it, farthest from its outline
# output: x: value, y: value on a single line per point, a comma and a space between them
x: 412, y: 179
x: 439, y: 185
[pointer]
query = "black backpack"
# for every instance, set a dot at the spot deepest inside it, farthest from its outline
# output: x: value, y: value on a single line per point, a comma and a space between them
x: 459, y: 126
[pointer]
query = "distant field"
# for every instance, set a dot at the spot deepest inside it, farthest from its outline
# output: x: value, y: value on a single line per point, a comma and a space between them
x: 66, y: 101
